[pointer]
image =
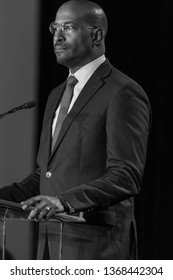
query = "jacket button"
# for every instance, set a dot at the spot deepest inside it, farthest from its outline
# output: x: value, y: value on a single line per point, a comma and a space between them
x: 48, y: 174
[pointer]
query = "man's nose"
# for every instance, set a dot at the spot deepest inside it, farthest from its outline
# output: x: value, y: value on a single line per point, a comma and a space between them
x: 58, y: 36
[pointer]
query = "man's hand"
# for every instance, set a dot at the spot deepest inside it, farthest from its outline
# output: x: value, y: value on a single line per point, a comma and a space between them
x: 44, y: 207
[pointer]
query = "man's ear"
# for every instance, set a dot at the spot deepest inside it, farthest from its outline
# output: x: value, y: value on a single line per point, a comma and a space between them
x: 97, y: 36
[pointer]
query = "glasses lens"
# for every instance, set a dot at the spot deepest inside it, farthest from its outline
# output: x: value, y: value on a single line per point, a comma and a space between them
x: 65, y: 28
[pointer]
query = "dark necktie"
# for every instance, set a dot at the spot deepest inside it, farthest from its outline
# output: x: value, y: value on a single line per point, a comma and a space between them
x: 64, y: 106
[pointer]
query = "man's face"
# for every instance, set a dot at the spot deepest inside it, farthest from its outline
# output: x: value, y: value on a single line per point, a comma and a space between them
x: 72, y: 40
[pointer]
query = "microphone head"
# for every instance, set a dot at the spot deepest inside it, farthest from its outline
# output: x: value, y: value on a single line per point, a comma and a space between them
x: 29, y: 104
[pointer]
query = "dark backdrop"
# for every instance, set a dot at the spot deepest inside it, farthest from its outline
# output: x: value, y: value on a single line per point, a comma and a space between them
x: 139, y: 44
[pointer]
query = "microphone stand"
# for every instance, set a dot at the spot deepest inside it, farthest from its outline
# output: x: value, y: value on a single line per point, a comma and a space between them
x: 3, y: 115
x: 24, y: 106
x: 10, y: 112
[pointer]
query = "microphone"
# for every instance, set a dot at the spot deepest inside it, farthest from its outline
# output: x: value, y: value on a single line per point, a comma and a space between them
x: 26, y: 105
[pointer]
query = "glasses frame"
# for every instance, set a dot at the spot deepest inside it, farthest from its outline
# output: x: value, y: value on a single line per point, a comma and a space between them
x: 62, y: 25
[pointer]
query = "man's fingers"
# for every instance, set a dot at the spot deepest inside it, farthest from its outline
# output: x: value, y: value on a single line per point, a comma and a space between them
x: 42, y: 207
x: 39, y: 208
x: 29, y: 202
x: 50, y: 213
x: 43, y: 213
x: 46, y: 213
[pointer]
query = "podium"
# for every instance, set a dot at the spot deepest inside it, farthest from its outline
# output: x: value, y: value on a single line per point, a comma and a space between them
x: 19, y: 236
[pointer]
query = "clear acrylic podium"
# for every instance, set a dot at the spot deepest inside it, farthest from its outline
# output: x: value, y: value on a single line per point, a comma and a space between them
x: 19, y: 235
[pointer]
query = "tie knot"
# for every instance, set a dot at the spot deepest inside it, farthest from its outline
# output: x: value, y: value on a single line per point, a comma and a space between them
x: 72, y: 81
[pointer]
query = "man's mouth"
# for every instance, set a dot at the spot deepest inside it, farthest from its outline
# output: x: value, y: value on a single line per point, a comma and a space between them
x: 60, y: 49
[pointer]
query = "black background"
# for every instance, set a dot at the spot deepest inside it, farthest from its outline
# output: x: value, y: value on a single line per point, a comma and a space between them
x: 139, y: 44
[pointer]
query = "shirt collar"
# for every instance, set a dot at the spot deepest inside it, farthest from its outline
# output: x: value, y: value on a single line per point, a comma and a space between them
x: 85, y: 72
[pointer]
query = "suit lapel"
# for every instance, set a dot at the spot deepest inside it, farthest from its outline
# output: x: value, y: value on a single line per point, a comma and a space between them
x: 92, y: 86
x: 51, y: 108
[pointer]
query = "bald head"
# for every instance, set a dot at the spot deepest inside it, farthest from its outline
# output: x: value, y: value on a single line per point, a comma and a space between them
x: 89, y: 12
x: 83, y: 41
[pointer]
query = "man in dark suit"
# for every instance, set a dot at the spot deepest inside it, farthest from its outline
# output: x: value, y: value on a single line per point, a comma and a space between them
x: 95, y: 166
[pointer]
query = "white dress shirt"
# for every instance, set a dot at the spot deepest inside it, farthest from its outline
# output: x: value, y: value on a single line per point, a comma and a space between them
x: 82, y: 75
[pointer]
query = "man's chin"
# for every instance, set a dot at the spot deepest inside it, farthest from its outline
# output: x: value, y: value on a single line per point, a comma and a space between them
x: 62, y: 60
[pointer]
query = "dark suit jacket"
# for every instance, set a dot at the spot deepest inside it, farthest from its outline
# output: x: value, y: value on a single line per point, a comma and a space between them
x: 98, y: 161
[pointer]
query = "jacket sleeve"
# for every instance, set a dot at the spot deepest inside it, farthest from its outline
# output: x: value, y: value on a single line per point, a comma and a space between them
x: 18, y: 192
x: 127, y: 127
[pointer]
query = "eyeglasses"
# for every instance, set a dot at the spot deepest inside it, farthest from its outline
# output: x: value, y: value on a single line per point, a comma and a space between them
x: 66, y: 27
